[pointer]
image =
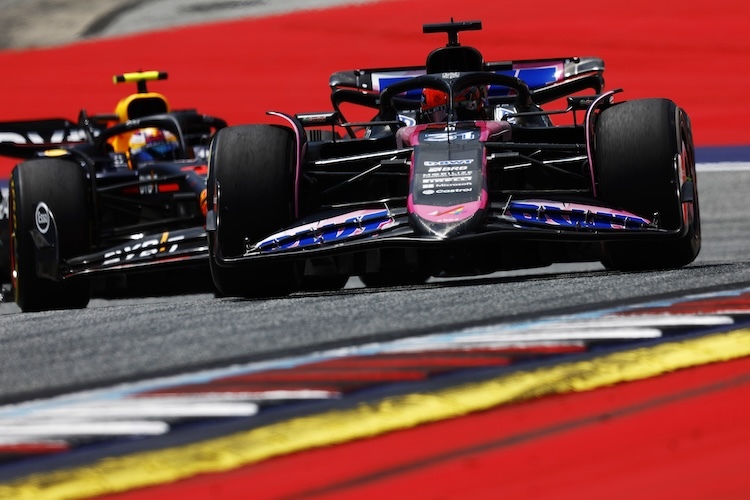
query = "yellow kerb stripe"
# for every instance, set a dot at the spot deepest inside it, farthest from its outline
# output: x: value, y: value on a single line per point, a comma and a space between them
x: 230, y: 452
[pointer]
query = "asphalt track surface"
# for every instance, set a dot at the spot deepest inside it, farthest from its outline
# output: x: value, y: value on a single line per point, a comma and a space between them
x: 113, y: 341
x: 51, y: 353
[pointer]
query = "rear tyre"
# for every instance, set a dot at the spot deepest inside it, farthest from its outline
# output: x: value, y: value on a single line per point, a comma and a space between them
x: 251, y: 178
x: 62, y: 186
x: 645, y: 163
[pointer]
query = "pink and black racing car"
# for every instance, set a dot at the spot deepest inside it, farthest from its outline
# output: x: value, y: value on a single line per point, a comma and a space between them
x: 457, y: 171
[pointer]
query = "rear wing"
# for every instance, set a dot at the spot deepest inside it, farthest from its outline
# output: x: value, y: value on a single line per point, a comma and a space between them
x: 565, y: 75
x: 28, y: 138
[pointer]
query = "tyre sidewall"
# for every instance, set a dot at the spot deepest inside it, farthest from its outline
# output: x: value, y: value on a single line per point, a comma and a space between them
x: 251, y: 172
x: 636, y: 143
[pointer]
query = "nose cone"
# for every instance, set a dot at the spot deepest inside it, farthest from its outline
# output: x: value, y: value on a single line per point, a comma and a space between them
x: 448, y: 192
x: 447, y: 222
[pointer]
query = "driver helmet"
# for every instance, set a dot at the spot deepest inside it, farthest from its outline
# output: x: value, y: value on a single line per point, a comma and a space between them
x: 152, y: 144
x: 470, y: 104
x: 434, y: 106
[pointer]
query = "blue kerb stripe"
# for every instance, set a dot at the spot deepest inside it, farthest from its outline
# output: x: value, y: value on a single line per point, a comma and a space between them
x: 714, y: 154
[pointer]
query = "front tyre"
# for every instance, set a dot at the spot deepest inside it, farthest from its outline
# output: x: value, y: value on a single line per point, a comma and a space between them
x: 250, y: 191
x: 645, y: 163
x: 61, y: 185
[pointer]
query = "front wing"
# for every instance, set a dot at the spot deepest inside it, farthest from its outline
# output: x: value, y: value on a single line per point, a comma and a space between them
x: 184, y: 247
x: 523, y: 219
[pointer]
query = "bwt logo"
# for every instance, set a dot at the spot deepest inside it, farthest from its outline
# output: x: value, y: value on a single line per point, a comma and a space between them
x: 448, y: 162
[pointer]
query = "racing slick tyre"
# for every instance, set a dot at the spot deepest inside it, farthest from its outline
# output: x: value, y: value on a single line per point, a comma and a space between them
x: 251, y: 169
x: 645, y: 163
x: 39, y: 188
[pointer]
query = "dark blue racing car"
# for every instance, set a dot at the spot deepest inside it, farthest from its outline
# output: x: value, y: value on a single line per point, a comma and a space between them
x: 108, y: 203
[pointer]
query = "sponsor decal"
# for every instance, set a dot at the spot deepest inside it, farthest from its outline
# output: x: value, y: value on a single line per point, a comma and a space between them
x: 409, y: 121
x: 359, y: 223
x: 119, y: 160
x: 163, y: 243
x: 455, y: 178
x: 450, y: 172
x: 42, y: 217
x: 314, y: 118
x: 450, y: 211
x: 534, y: 74
x: 574, y: 216
x: 449, y: 136
x: 453, y: 190
x: 501, y: 112
x: 448, y: 177
x: 449, y: 164
x: 148, y: 188
x: 382, y: 79
x: 56, y: 137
